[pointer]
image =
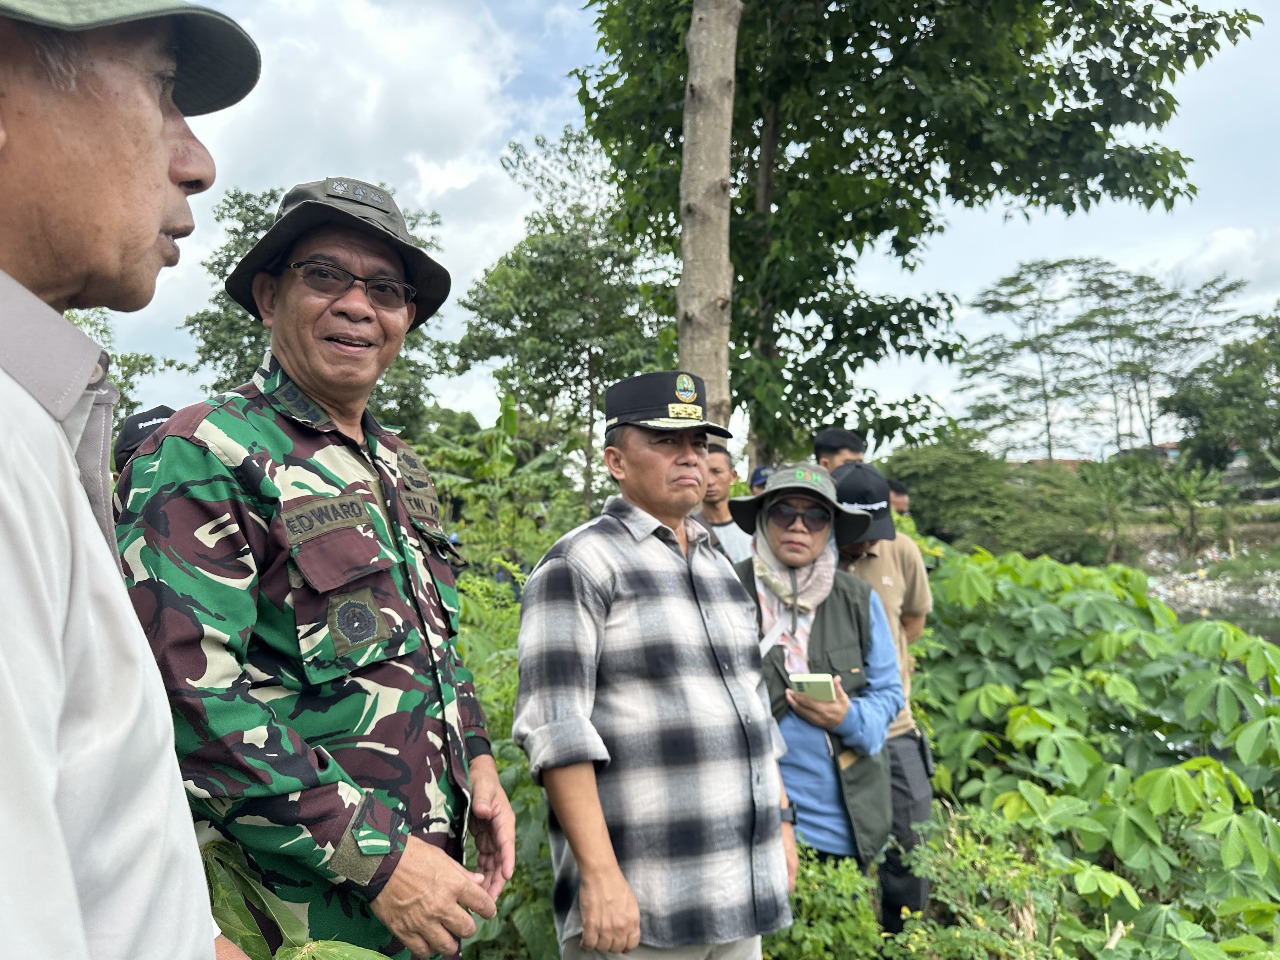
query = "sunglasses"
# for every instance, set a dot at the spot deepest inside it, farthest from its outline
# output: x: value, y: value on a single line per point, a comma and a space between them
x: 783, y: 515
x: 333, y: 282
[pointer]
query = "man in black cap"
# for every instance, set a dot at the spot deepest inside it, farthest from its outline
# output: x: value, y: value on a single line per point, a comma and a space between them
x: 894, y: 568
x: 135, y: 430
x: 642, y: 708
x: 287, y: 557
x: 97, y: 165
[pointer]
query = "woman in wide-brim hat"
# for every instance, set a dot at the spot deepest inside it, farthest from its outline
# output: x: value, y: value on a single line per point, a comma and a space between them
x: 817, y: 619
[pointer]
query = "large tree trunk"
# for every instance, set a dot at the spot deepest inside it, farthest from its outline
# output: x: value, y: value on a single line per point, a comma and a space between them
x: 765, y: 345
x: 704, y: 294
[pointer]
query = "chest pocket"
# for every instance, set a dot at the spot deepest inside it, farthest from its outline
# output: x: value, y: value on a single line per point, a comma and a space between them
x: 340, y: 584
x: 846, y: 663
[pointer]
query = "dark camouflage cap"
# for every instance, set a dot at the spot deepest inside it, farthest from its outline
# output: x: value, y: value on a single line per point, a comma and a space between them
x: 218, y: 62
x: 341, y: 202
x: 669, y: 400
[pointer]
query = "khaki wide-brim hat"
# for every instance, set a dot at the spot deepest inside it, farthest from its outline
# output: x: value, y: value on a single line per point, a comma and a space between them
x: 806, y: 479
x: 341, y: 202
x: 218, y: 63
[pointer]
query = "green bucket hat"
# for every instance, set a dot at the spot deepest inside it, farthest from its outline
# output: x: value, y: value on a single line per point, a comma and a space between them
x: 218, y: 62
x: 341, y: 202
x: 810, y: 480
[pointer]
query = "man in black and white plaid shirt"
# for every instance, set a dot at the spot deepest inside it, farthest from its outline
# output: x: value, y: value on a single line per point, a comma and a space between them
x: 643, y: 712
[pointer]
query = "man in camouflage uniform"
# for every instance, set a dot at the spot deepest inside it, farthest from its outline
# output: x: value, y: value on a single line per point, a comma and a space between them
x: 286, y: 557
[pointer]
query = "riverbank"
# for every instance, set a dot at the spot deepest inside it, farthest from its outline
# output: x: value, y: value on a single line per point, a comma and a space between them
x: 1219, y: 587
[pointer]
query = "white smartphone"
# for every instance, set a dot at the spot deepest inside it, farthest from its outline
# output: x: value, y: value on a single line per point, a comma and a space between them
x: 819, y: 686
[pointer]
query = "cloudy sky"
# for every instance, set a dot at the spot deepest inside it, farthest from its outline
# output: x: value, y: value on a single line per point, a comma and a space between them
x: 425, y: 95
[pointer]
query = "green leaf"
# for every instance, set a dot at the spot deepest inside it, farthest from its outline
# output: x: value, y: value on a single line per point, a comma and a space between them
x: 1233, y: 845
x: 1254, y: 737
x: 327, y: 950
x: 1247, y: 943
x: 971, y: 586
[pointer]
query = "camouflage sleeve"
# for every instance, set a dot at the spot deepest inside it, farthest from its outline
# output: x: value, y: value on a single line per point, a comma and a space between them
x: 471, y: 715
x: 193, y: 546
x: 474, y: 730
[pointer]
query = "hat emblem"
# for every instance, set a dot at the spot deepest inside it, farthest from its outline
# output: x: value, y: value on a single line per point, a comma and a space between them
x: 686, y: 392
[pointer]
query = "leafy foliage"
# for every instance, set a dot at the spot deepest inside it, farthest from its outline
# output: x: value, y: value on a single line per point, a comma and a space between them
x: 508, y: 490
x: 1094, y: 348
x: 966, y: 496
x: 234, y: 890
x: 1074, y: 705
x: 859, y: 123
x: 832, y: 913
x: 565, y: 311
x: 523, y: 927
x: 994, y: 887
x: 230, y: 343
x: 1183, y: 490
x: 1232, y: 400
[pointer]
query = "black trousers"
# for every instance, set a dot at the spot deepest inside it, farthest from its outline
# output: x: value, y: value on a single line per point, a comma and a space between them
x: 912, y: 798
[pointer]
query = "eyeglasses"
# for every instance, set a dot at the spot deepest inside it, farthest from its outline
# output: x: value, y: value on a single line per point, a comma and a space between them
x: 783, y: 515
x: 334, y: 282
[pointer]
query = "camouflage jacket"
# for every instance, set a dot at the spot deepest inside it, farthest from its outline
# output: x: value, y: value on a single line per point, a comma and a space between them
x: 296, y: 592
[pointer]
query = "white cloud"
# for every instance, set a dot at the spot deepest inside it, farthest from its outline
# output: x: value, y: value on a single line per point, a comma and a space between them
x: 422, y: 95
x: 425, y: 94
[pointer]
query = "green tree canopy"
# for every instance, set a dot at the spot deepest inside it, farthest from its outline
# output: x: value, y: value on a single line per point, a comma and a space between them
x: 1232, y: 400
x: 1094, y: 350
x: 962, y: 494
x: 1026, y: 383
x: 565, y: 312
x: 863, y: 122
x: 230, y: 343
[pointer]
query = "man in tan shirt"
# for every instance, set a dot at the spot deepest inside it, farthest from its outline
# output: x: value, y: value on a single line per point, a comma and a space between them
x: 894, y: 568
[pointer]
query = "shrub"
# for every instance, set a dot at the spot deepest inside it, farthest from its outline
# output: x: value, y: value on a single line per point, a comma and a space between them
x: 832, y: 914
x: 1071, y: 703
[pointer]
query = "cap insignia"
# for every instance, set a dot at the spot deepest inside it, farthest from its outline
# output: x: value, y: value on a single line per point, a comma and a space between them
x: 684, y: 411
x: 359, y: 192
x: 686, y: 392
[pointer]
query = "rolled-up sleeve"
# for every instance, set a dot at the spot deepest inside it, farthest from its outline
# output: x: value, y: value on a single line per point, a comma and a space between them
x: 562, y: 622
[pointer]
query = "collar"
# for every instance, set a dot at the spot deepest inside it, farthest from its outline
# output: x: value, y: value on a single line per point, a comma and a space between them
x: 641, y: 524
x: 290, y: 399
x: 44, y: 352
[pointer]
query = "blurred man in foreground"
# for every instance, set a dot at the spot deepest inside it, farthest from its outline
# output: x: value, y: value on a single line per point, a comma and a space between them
x: 96, y: 166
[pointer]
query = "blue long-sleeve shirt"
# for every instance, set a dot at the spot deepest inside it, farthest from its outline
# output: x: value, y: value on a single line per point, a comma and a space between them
x: 808, y: 767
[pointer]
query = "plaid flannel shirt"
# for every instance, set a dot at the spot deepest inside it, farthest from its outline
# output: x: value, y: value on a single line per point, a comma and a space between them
x: 647, y: 663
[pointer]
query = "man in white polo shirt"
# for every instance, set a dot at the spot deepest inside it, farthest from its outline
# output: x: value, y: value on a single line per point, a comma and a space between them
x: 96, y: 165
